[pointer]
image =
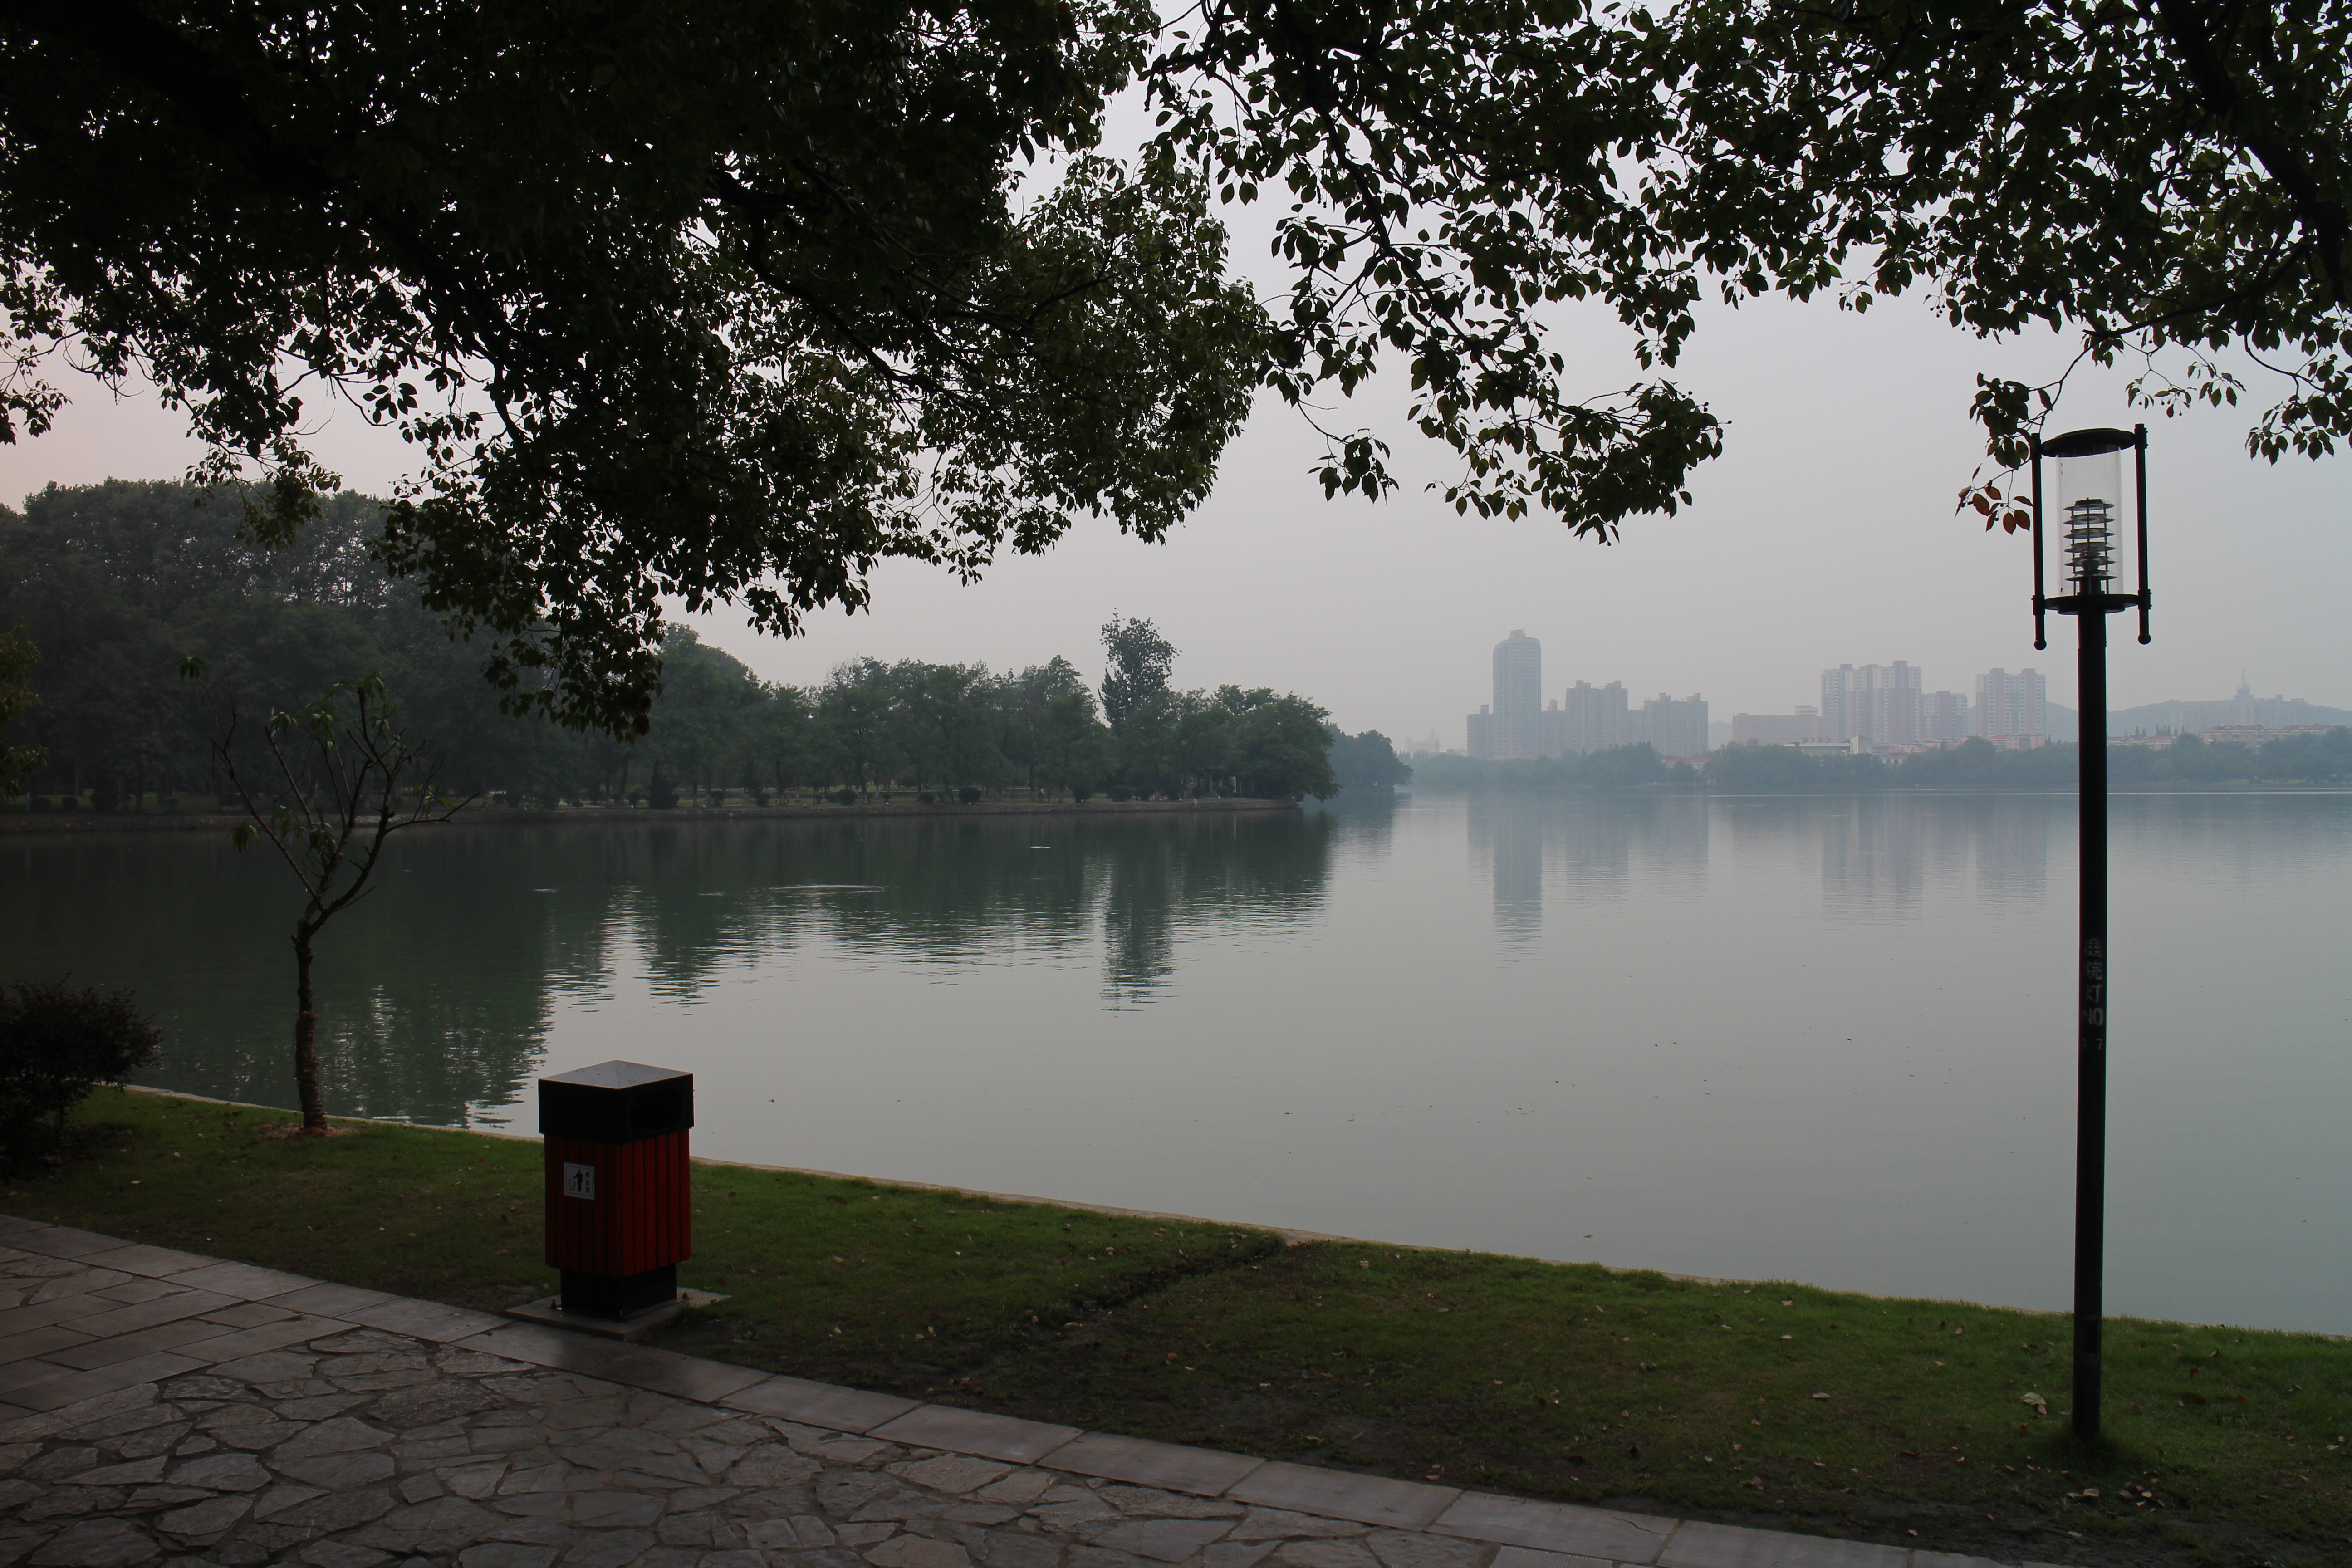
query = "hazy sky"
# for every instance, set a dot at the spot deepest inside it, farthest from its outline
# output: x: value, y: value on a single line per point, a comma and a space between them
x: 1825, y: 535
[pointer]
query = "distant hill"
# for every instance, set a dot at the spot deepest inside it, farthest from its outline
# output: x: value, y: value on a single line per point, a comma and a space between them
x: 2243, y: 709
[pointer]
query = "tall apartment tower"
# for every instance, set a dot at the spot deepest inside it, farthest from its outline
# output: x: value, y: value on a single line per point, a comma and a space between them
x: 1594, y: 717
x: 2012, y: 707
x: 1519, y: 696
x: 1879, y: 703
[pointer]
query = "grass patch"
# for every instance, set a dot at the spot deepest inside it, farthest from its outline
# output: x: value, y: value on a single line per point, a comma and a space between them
x: 1560, y: 1382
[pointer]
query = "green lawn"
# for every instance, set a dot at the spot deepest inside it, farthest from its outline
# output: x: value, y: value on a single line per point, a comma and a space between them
x: 1907, y: 1422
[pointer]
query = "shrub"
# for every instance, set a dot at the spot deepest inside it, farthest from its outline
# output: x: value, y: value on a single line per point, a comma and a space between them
x: 170, y: 803
x: 1081, y: 792
x: 1121, y: 792
x: 844, y: 795
x: 103, y: 799
x: 40, y: 803
x: 927, y: 798
x: 969, y: 795
x: 58, y: 1042
x: 662, y: 794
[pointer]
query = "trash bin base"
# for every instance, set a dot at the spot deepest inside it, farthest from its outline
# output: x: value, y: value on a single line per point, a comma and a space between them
x: 619, y: 1295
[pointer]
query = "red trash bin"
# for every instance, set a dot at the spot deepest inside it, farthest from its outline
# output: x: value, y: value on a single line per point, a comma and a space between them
x: 619, y: 1212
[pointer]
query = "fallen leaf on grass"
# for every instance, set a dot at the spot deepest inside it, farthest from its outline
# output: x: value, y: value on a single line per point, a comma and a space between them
x: 2040, y: 1405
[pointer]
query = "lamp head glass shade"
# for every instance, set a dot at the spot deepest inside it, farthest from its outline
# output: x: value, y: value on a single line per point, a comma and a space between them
x: 2090, y: 501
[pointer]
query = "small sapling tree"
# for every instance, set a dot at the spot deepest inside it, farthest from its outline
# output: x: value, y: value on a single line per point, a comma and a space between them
x: 326, y: 787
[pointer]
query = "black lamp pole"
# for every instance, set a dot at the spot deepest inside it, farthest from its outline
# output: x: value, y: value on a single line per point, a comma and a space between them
x: 2091, y: 563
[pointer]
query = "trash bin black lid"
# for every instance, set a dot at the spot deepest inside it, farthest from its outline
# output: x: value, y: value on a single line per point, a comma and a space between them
x: 615, y: 1102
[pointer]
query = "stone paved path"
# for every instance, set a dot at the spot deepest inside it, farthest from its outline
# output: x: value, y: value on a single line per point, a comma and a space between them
x: 157, y: 1408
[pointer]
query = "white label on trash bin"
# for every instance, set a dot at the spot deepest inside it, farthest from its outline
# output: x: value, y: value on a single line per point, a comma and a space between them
x: 580, y: 1181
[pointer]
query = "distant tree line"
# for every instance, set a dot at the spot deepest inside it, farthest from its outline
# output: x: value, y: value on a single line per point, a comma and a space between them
x: 115, y: 584
x: 1619, y: 767
x: 1974, y: 763
x: 1978, y: 763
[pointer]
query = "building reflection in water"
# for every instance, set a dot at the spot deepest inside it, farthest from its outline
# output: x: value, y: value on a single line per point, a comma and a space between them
x: 1877, y: 857
x: 1583, y: 850
x: 1881, y: 856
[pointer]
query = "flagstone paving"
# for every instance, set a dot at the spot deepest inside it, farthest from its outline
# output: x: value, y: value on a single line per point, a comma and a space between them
x: 157, y: 1408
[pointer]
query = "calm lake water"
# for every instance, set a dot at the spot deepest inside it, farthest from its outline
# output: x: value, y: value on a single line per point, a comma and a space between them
x: 1818, y: 1039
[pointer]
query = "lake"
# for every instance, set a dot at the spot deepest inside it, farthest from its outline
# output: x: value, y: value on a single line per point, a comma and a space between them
x: 1792, y: 1038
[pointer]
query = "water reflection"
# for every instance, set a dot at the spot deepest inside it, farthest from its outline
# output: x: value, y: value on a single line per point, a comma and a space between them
x: 1773, y: 1036
x: 1168, y: 875
x: 1585, y: 851
x: 439, y: 992
x: 1876, y: 859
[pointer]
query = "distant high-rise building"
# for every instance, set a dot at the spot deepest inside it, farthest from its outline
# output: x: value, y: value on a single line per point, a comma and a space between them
x: 1481, y: 733
x: 1675, y: 728
x: 1519, y: 696
x: 1594, y: 718
x: 1551, y: 731
x: 1877, y: 703
x: 2012, y: 708
x: 1944, y: 717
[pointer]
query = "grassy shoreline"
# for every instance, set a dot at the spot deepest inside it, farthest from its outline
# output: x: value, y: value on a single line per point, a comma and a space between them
x: 1899, y: 1421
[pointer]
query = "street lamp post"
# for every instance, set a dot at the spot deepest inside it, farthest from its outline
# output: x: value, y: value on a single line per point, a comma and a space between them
x: 2090, y: 499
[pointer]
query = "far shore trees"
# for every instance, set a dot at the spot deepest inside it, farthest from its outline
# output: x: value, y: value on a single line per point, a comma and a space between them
x: 18, y: 764
x: 116, y: 581
x: 1137, y: 663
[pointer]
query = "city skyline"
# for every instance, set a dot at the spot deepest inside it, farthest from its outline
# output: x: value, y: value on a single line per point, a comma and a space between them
x: 1881, y: 707
x: 1519, y: 722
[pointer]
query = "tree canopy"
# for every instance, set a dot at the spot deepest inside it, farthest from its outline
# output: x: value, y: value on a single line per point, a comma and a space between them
x: 727, y: 301
x: 1138, y: 661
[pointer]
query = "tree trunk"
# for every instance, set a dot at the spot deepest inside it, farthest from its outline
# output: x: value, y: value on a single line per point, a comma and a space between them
x: 306, y: 1039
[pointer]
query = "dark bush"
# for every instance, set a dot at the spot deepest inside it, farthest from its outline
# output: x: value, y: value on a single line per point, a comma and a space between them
x: 662, y: 794
x: 969, y: 795
x: 1081, y: 792
x: 844, y: 795
x: 58, y: 1042
x: 103, y: 799
x: 927, y: 798
x: 40, y: 803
